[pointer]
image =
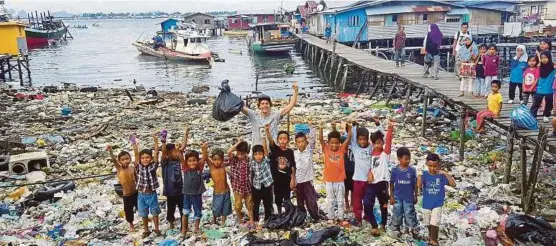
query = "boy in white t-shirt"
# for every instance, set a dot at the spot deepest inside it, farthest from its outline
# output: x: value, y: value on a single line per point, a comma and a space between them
x: 378, y: 178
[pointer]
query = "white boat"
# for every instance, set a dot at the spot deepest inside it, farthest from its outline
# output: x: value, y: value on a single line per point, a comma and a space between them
x: 183, y: 45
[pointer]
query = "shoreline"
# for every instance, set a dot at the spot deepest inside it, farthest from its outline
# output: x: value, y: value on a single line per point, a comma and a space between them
x: 109, y: 117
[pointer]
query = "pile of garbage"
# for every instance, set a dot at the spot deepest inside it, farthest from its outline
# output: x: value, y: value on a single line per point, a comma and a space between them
x: 74, y: 128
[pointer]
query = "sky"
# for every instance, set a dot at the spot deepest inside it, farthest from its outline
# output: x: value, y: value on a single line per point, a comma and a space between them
x: 87, y: 6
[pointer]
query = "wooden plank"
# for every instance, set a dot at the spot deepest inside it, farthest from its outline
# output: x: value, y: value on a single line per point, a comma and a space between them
x: 446, y: 88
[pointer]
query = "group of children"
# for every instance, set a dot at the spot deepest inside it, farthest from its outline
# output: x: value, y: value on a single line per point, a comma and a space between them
x: 534, y: 76
x: 274, y: 170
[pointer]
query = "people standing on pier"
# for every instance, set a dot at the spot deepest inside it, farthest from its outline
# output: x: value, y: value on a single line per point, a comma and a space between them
x: 545, y: 45
x: 479, y: 87
x: 530, y: 79
x: 494, y: 106
x: 544, y: 87
x: 459, y: 41
x: 466, y: 56
x: 491, y: 61
x: 266, y: 116
x: 518, y: 66
x: 431, y: 50
x: 328, y: 33
x: 399, y: 45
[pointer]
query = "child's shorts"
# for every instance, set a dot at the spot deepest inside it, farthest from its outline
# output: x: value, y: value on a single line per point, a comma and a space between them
x: 221, y: 204
x: 432, y: 217
x: 195, y: 201
x: 148, y: 203
x: 238, y: 202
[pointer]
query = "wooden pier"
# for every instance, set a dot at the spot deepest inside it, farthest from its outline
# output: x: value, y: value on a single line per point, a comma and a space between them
x: 344, y: 67
x: 17, y: 64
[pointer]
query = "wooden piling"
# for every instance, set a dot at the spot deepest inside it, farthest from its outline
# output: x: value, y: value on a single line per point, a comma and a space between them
x: 344, y: 79
x: 389, y: 97
x: 321, y: 57
x: 510, y: 149
x: 338, y: 72
x: 535, y: 167
x: 378, y: 82
x: 523, y: 162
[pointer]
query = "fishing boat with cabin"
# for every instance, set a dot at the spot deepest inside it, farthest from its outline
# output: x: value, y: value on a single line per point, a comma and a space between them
x: 182, y: 45
x: 270, y: 38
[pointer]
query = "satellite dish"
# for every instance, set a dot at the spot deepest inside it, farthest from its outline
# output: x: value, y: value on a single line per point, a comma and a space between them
x: 320, y: 7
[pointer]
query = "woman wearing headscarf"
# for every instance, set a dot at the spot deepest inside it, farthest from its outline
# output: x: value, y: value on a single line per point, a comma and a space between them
x: 545, y: 86
x: 431, y: 48
x: 466, y: 56
x: 545, y: 45
x: 517, y: 68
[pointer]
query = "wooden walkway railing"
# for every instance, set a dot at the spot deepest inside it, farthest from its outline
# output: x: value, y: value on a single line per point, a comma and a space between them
x: 330, y: 59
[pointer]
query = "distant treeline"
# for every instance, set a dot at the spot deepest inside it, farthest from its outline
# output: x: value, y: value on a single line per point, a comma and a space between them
x: 149, y: 14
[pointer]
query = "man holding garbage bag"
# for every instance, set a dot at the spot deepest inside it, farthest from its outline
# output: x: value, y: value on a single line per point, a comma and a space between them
x: 266, y: 116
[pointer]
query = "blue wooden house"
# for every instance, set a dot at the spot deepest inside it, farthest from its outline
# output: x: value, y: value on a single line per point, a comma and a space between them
x: 364, y: 21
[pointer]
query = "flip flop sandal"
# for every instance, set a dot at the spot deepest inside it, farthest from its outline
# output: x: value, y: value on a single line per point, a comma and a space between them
x: 158, y: 233
x: 146, y: 234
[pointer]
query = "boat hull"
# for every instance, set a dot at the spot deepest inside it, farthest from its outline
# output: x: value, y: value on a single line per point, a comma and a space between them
x: 173, y: 55
x: 36, y: 37
x: 282, y: 47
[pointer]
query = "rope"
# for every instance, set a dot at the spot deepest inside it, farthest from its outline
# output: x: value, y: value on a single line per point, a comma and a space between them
x: 57, y: 181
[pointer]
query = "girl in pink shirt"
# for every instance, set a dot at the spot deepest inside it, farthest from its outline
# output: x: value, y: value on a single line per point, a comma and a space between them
x: 530, y: 78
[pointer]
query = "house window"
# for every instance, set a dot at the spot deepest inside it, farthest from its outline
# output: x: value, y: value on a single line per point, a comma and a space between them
x: 353, y: 21
x: 193, y: 20
x: 541, y: 10
x: 234, y: 20
x: 425, y: 17
x: 394, y: 18
x: 265, y: 18
x: 453, y: 20
x: 534, y: 10
x: 207, y: 21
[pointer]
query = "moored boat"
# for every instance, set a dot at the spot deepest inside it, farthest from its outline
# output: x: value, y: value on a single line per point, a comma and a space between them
x: 182, y: 46
x: 270, y: 38
x: 44, y: 29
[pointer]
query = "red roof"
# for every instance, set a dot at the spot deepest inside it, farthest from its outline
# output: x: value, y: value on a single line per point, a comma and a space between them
x: 311, y: 4
x: 431, y: 9
x: 302, y: 10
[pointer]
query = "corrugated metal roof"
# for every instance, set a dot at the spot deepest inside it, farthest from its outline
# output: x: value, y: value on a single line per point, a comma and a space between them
x: 420, y: 30
x: 382, y: 10
x: 458, y: 11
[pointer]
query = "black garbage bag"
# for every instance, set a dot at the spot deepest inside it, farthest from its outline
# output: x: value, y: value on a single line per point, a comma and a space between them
x: 291, y: 217
x: 317, y: 237
x: 227, y: 104
x: 298, y: 217
x: 528, y: 229
x: 252, y: 240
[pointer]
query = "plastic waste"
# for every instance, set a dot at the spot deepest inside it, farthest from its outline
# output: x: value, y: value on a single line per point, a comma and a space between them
x: 213, y: 234
x: 16, y: 194
x: 468, y: 241
x: 378, y: 215
x: 317, y: 237
x: 303, y: 128
x: 491, y: 238
x: 522, y: 118
x: 58, y: 231
x: 50, y: 190
x: 528, y: 229
x: 66, y: 111
x: 227, y: 104
x: 168, y: 242
x: 35, y: 176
